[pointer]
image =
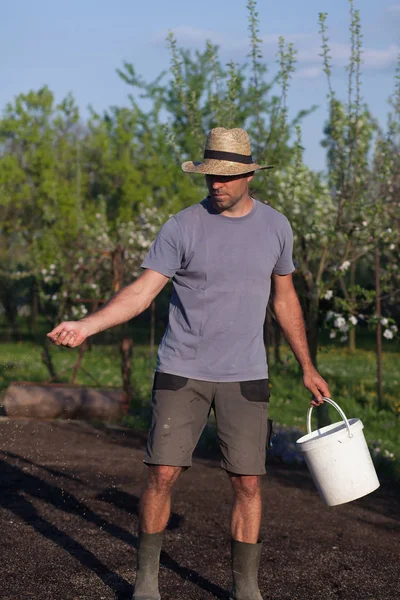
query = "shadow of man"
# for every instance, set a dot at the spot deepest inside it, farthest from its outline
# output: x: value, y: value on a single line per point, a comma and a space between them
x: 16, y: 483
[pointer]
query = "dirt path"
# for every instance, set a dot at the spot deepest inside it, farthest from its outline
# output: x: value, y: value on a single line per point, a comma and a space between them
x: 68, y: 504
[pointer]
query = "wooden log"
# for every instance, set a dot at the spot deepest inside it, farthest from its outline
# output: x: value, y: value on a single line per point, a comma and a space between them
x: 67, y: 401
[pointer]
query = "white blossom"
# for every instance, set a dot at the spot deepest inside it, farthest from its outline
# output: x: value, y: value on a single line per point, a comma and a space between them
x: 44, y: 271
x: 384, y: 321
x: 388, y: 454
x: 344, y: 266
x: 343, y: 338
x: 388, y: 334
x: 54, y: 297
x: 365, y: 223
x: 339, y: 322
x: 329, y: 315
x: 360, y: 316
x: 344, y: 328
x: 394, y: 328
x: 392, y: 247
x: 332, y: 335
x: 328, y: 294
x: 353, y: 320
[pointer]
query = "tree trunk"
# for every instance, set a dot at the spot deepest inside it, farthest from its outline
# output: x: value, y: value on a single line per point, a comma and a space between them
x: 48, y: 361
x: 312, y: 337
x: 277, y: 342
x: 352, y: 340
x: 312, y: 326
x: 35, y: 308
x: 78, y: 363
x: 126, y: 354
x: 117, y: 257
x: 10, y: 308
x: 352, y: 332
x: 378, y: 310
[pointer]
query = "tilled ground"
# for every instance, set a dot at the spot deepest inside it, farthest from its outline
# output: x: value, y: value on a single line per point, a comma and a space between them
x: 69, y: 501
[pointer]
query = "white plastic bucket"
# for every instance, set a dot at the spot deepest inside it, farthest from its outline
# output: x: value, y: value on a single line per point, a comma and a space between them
x: 339, y: 459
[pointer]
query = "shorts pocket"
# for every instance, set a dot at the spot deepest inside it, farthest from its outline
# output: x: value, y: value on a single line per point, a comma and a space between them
x: 256, y: 390
x: 167, y: 381
x: 270, y: 433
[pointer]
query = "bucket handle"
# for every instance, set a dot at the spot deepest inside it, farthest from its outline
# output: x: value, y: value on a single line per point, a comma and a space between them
x: 309, y: 430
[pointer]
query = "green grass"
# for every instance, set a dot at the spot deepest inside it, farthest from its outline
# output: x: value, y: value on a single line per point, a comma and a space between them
x: 21, y: 361
x: 351, y: 378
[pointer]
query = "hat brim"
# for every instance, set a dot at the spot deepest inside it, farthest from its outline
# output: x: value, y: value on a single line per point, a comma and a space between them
x: 221, y: 167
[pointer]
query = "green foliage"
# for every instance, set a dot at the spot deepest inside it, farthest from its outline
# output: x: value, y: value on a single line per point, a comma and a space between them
x: 82, y: 201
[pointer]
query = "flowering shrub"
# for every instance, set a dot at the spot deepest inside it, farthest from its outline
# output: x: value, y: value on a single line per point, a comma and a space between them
x: 340, y: 323
x: 83, y: 274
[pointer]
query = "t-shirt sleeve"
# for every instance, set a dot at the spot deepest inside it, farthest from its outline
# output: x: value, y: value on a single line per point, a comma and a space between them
x: 166, y: 252
x: 284, y: 264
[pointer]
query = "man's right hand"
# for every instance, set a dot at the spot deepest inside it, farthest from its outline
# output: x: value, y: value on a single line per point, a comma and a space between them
x: 69, y: 333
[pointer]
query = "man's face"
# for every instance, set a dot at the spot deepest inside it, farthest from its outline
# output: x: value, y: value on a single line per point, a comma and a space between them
x: 226, y: 191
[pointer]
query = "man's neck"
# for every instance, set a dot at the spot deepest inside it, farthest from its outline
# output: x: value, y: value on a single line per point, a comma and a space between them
x: 240, y: 209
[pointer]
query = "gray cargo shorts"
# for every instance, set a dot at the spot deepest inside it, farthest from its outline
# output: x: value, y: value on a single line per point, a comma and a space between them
x: 180, y: 409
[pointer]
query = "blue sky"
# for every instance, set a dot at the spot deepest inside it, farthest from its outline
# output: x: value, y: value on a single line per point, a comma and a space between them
x: 77, y: 46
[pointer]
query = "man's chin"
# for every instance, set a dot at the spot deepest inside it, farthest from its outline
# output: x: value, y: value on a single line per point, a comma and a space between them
x: 222, y: 200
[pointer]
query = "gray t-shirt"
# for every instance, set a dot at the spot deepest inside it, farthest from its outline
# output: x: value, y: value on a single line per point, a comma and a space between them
x: 221, y: 273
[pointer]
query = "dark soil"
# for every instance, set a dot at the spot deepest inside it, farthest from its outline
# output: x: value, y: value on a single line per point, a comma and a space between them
x: 69, y: 500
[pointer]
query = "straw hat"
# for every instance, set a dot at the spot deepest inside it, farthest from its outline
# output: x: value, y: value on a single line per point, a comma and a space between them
x: 227, y: 152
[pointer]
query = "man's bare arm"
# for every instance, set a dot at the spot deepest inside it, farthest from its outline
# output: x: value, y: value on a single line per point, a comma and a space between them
x: 290, y: 317
x: 130, y: 302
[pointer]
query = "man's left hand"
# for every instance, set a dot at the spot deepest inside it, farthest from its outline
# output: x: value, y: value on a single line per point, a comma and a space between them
x: 317, y: 385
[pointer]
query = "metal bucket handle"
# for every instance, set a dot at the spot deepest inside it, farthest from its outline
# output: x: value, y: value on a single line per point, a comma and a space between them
x: 309, y: 430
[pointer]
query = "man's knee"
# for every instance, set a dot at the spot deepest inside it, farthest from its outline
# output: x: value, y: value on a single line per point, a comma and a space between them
x: 246, y: 486
x: 161, y: 478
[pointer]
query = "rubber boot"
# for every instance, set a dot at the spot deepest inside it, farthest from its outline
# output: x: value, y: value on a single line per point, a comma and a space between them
x: 245, y: 563
x: 148, y: 563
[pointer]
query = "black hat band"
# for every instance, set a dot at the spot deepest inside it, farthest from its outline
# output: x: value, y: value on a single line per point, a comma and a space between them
x: 230, y: 156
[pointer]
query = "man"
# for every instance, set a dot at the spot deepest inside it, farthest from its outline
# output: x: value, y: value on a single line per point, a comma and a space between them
x: 222, y: 255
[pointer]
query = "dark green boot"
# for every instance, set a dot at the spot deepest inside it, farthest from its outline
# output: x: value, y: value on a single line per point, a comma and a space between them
x: 148, y: 562
x: 245, y: 563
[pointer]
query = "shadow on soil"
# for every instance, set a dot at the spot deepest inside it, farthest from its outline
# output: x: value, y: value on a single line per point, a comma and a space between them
x: 51, y: 471
x: 385, y: 501
x: 130, y: 504
x: 16, y: 484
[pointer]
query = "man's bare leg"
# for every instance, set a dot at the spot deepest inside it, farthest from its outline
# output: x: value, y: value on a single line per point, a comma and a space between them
x: 155, y: 508
x: 247, y: 507
x: 245, y: 527
x: 155, y: 503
